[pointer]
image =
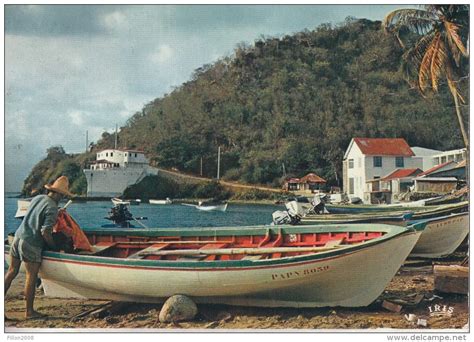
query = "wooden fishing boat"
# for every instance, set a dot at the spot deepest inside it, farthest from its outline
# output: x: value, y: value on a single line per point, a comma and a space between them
x: 442, y: 235
x: 366, y: 208
x: 418, y: 211
x: 287, y: 266
x: 397, y: 218
x: 442, y: 210
x: 446, y: 226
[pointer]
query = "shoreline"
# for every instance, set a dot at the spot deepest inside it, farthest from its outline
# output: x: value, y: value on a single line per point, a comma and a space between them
x: 408, y: 282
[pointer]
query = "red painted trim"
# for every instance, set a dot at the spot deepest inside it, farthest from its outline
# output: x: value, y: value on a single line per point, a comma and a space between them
x: 223, y: 269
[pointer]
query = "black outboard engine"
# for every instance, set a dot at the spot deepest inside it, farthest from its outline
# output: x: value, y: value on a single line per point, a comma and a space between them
x: 120, y: 215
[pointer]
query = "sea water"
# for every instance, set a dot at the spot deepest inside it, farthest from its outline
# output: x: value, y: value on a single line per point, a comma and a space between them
x: 92, y: 215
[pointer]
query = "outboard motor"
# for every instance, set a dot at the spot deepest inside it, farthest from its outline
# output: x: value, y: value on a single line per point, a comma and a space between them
x: 290, y: 216
x: 319, y: 204
x: 120, y: 216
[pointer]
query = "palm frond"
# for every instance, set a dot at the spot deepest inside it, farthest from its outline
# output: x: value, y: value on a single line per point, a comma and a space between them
x: 454, y: 40
x: 414, y: 55
x: 424, y: 71
x: 438, y: 62
x: 415, y: 20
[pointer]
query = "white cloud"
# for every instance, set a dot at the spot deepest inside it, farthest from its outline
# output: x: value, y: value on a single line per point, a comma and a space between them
x: 115, y: 20
x: 163, y: 54
x: 77, y: 117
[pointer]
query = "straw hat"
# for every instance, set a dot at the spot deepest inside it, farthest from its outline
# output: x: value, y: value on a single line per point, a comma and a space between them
x: 60, y: 185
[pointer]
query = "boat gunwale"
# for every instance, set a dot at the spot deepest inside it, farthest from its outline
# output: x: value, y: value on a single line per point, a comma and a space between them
x: 392, y: 232
x: 434, y: 219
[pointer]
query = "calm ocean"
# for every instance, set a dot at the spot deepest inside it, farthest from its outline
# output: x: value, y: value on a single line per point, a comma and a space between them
x: 91, y: 214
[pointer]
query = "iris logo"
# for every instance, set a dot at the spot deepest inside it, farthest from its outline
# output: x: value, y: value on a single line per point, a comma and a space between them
x: 440, y: 310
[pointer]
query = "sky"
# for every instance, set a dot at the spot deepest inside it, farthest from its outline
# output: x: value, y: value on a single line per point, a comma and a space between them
x: 72, y: 69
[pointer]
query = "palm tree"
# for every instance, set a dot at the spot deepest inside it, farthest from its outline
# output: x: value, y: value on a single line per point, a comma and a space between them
x: 435, y: 39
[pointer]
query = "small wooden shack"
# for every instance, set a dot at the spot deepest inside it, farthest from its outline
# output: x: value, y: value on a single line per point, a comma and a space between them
x: 308, y: 184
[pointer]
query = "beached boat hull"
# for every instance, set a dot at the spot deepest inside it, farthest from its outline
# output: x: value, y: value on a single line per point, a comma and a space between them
x: 442, y: 236
x: 352, y: 276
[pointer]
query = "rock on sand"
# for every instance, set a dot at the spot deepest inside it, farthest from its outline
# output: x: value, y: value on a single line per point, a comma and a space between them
x: 178, y: 308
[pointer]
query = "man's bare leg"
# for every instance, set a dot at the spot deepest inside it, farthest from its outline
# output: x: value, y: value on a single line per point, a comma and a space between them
x: 12, y: 272
x: 32, y: 269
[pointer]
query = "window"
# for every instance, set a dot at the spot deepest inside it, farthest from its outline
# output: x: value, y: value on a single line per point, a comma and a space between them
x: 107, y: 154
x: 399, y: 162
x: 351, y: 163
x: 443, y: 159
x: 351, y: 186
x: 135, y: 155
x: 111, y: 154
x: 377, y: 161
x: 126, y: 154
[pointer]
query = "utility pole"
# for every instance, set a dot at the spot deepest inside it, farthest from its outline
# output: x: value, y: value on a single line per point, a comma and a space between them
x: 116, y: 129
x: 87, y: 141
x: 201, y: 168
x: 218, y: 161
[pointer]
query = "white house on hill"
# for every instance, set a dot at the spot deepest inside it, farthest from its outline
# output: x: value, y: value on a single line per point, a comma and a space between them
x: 372, y: 158
x: 114, y: 170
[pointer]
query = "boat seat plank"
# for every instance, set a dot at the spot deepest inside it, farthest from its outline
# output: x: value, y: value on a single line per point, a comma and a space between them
x: 149, y: 250
x: 191, y: 258
x: 214, y: 245
x: 333, y: 243
x: 98, y: 248
x: 252, y: 257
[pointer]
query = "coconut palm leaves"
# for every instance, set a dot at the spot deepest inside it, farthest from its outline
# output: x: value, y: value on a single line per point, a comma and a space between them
x: 435, y: 41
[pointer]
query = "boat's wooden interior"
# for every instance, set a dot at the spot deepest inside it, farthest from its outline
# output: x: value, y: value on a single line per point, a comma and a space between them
x: 231, y: 247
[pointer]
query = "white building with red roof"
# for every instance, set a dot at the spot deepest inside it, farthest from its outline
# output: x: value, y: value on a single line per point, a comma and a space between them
x: 373, y: 158
x: 116, y: 169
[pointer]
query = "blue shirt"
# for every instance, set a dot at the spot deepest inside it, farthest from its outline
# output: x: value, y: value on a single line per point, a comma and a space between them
x: 41, y: 215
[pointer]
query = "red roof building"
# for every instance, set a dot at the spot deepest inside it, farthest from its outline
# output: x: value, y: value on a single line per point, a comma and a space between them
x: 384, y: 146
x: 309, y: 183
x: 402, y: 173
x: 436, y: 168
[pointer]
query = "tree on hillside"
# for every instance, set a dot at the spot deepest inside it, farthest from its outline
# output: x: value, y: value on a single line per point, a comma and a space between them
x: 439, y: 49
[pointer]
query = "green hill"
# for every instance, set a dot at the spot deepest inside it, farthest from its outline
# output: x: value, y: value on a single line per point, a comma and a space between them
x: 294, y: 101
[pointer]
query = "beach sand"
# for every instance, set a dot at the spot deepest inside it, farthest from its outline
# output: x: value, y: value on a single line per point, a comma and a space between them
x: 409, y: 282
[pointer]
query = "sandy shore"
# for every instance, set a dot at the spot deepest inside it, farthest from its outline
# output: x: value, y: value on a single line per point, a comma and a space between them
x: 409, y: 282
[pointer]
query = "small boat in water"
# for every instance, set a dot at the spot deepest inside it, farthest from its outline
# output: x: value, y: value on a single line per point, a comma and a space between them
x: 157, y: 201
x: 212, y: 207
x: 287, y: 266
x: 208, y: 206
x: 117, y: 201
x: 22, y: 207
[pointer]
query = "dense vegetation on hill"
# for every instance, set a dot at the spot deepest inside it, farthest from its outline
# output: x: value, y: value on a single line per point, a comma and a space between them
x: 58, y: 163
x: 289, y: 106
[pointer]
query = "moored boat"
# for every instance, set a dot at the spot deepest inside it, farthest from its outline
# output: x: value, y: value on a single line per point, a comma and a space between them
x: 212, y: 207
x: 442, y: 235
x: 22, y: 207
x: 157, y: 201
x: 117, y: 201
x: 287, y: 266
x: 399, y: 218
